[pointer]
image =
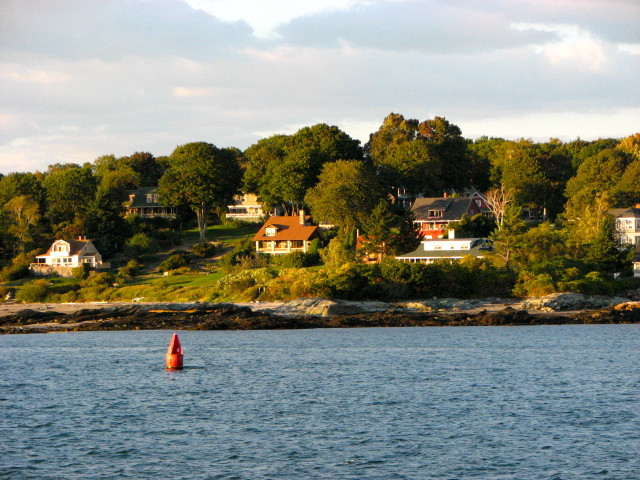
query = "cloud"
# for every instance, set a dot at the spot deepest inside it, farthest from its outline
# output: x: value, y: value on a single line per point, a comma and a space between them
x: 575, y: 47
x: 264, y: 17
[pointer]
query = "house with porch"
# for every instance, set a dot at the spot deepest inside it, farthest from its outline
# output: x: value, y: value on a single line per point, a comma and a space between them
x: 145, y: 201
x: 64, y: 255
x: 451, y: 249
x: 434, y: 215
x: 627, y: 225
x: 245, y: 208
x: 285, y: 234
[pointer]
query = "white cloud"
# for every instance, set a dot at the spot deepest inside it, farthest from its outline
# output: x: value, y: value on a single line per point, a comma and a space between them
x: 632, y: 48
x: 566, y: 125
x: 576, y: 47
x: 265, y: 16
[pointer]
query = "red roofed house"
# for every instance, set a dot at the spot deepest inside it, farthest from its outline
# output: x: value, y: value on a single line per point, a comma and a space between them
x: 282, y: 235
x: 435, y: 214
x: 63, y: 255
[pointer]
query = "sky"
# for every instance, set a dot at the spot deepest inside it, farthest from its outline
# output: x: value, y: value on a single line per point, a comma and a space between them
x: 84, y: 78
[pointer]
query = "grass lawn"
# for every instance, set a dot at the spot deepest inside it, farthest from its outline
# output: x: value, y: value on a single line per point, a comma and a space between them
x: 229, y: 233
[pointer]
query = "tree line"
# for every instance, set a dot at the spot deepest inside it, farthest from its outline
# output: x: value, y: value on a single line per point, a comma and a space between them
x: 322, y: 169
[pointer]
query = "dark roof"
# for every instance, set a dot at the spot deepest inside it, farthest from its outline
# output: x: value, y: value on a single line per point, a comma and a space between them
x: 479, y: 248
x: 625, y: 212
x: 75, y: 246
x: 453, y: 208
x: 288, y: 228
x: 140, y: 198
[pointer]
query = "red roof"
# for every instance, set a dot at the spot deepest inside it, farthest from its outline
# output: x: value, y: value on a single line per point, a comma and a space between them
x: 287, y: 228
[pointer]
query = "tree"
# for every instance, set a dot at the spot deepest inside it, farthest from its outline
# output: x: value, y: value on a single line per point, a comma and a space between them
x: 346, y: 193
x: 69, y: 188
x: 201, y: 176
x: 24, y: 213
x: 379, y: 229
x: 498, y: 199
x: 282, y: 168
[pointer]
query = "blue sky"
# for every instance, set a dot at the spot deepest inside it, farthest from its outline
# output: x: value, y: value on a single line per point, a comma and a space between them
x: 84, y: 78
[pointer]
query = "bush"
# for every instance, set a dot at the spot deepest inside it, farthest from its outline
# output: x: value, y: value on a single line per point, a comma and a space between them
x: 81, y: 272
x: 177, y: 259
x: 33, y: 292
x: 103, y: 279
x: 204, y: 250
x: 19, y: 267
x: 246, y: 248
x: 166, y: 237
x: 141, y: 244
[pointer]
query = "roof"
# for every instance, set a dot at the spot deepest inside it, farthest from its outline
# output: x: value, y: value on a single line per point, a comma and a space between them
x: 479, y: 248
x: 453, y: 208
x: 288, y: 228
x: 75, y: 246
x: 633, y: 212
x: 140, y: 198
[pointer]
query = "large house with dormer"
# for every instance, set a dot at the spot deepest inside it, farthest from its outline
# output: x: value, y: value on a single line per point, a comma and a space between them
x: 245, y: 208
x: 434, y: 215
x: 64, y: 255
x: 627, y: 225
x: 145, y: 201
x: 285, y: 234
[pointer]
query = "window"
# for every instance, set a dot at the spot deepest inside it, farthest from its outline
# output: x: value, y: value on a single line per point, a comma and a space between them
x: 270, y: 231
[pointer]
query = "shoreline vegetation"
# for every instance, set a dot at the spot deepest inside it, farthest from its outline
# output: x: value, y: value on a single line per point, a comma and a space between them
x: 304, y: 314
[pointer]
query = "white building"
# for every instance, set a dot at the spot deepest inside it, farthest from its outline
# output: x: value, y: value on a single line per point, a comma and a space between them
x: 63, y: 255
x: 627, y: 225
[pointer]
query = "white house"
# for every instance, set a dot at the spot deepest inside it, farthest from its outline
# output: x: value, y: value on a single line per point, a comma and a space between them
x: 63, y: 255
x: 245, y: 208
x: 451, y: 249
x: 627, y: 225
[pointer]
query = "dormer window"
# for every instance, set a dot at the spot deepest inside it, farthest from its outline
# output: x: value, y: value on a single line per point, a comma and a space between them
x: 61, y: 247
x: 436, y: 213
x: 271, y: 231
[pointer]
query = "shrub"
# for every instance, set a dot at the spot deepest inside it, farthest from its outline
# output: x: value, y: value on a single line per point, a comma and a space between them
x: 166, y: 237
x: 177, y: 259
x: 204, y: 250
x: 246, y: 248
x: 19, y: 267
x: 131, y: 269
x: 141, y: 244
x: 81, y: 272
x: 103, y: 279
x: 33, y: 292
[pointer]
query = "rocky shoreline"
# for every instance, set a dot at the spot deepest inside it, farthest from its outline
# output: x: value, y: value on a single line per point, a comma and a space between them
x: 316, y: 313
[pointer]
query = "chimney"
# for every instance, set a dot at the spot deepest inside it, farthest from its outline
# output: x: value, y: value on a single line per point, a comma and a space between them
x: 444, y: 194
x: 637, y: 205
x: 452, y: 234
x: 301, y: 213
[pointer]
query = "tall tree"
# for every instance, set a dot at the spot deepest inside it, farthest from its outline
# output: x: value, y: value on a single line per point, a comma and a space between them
x: 202, y: 176
x: 282, y: 168
x: 24, y: 213
x: 346, y: 193
x: 70, y: 189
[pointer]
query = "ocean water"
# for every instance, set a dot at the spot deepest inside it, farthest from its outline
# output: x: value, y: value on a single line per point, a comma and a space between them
x: 546, y: 402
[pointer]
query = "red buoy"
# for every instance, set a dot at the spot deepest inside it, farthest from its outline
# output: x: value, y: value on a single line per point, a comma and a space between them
x: 174, y: 353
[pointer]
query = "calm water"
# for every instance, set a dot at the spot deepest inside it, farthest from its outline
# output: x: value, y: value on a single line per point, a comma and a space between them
x: 548, y: 402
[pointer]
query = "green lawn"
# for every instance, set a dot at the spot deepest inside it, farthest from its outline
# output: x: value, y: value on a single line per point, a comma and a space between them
x: 229, y: 233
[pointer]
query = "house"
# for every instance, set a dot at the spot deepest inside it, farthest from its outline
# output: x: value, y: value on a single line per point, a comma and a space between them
x: 144, y: 201
x: 627, y: 225
x: 435, y: 214
x: 63, y: 255
x: 636, y: 262
x: 285, y: 234
x: 451, y: 249
x: 245, y: 208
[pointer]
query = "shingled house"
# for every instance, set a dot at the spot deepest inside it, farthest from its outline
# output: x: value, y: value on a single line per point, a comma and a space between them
x: 451, y: 249
x: 63, y: 255
x: 282, y: 235
x: 144, y: 201
x: 627, y: 225
x: 435, y: 214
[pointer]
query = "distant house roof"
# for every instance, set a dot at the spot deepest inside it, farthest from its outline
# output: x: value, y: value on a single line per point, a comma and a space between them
x: 452, y: 208
x: 141, y: 199
x: 633, y: 212
x: 287, y: 228
x: 478, y: 247
x: 75, y: 246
